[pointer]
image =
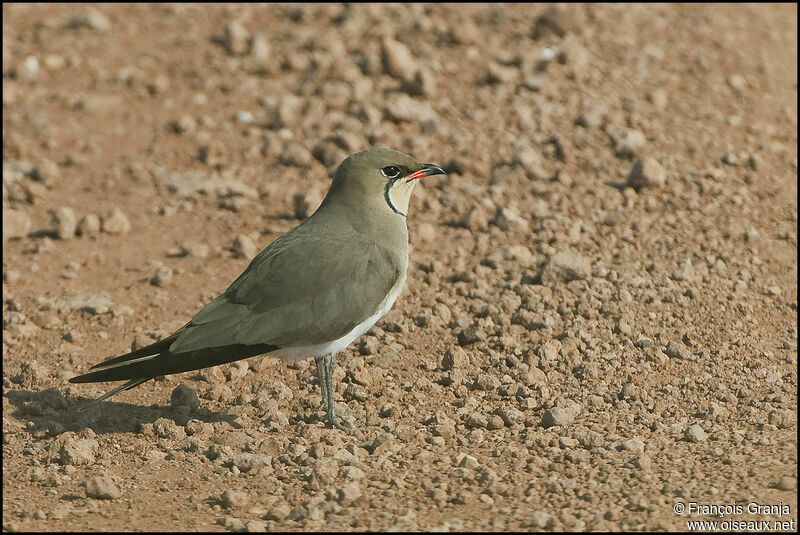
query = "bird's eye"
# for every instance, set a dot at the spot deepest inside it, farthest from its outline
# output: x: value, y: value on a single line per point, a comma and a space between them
x: 391, y: 171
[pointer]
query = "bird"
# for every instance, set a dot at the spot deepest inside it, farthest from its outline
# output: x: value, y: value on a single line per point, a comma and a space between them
x: 308, y: 294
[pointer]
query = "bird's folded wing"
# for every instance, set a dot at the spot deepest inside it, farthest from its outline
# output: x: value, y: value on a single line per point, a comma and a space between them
x: 299, y: 291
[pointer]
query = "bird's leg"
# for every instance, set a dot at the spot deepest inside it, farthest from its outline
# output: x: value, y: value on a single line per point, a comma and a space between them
x: 333, y: 418
x: 325, y: 376
x: 323, y: 384
x: 320, y: 362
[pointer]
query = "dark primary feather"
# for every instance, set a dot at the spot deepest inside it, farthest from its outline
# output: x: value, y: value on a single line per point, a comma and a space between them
x: 166, y: 362
x: 152, y: 349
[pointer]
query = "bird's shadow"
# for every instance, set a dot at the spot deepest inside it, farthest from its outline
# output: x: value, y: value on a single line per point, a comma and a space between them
x: 49, y: 412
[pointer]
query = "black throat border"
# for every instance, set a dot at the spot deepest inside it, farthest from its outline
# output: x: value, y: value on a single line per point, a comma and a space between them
x: 388, y: 197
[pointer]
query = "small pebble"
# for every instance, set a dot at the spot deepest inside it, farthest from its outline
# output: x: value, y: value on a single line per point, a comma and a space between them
x: 695, y: 433
x: 116, y: 222
x: 65, y: 223
x: 101, y: 488
x: 243, y: 247
x: 233, y: 498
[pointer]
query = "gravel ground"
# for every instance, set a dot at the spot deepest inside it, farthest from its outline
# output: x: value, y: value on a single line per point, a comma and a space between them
x: 600, y: 316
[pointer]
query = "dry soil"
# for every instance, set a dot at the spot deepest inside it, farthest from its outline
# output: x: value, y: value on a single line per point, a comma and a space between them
x: 600, y: 316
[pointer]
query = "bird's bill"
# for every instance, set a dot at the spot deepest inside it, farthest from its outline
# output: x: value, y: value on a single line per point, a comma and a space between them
x: 428, y: 169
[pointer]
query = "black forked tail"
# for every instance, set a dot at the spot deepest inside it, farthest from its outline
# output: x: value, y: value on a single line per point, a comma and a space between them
x: 156, y: 359
x: 127, y: 386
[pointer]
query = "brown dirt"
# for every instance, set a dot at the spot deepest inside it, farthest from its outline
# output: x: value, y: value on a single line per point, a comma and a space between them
x: 613, y: 350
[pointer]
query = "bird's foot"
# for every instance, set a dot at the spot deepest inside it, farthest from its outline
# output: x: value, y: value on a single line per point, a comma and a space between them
x: 337, y: 423
x: 333, y: 418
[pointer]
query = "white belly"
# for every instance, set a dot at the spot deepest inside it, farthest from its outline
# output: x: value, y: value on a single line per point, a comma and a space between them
x: 334, y: 346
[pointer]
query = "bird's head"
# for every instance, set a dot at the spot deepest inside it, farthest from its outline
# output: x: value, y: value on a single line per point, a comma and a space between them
x: 381, y: 174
